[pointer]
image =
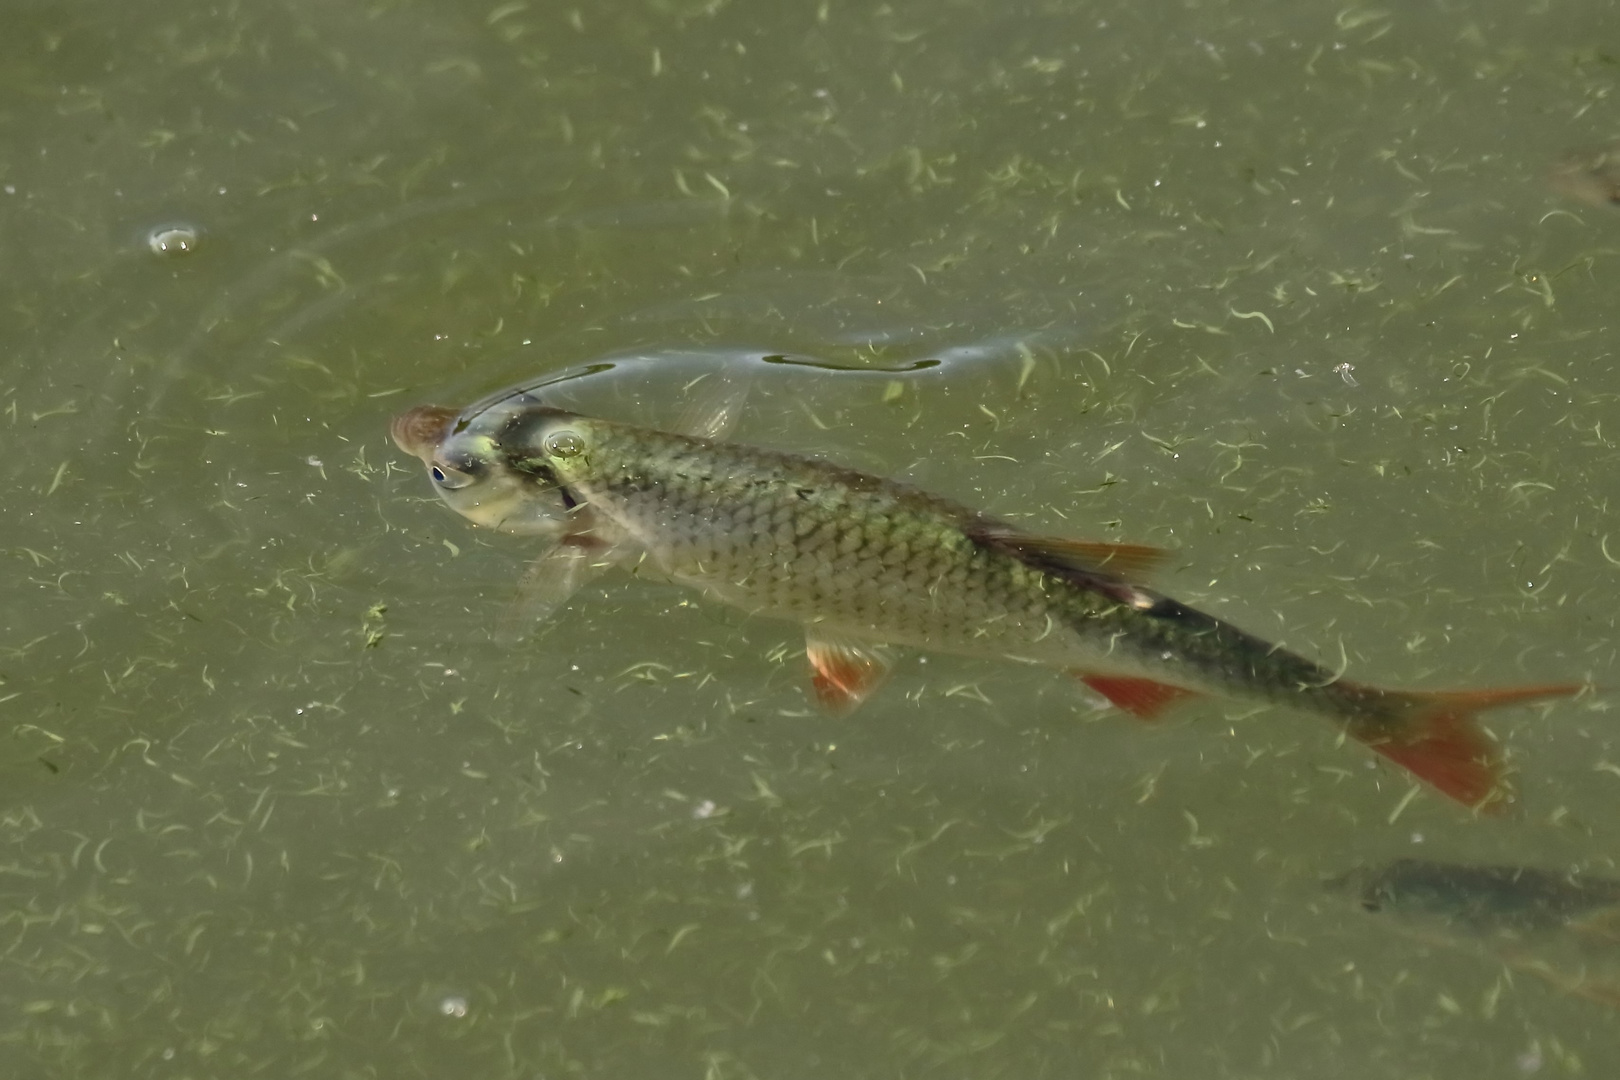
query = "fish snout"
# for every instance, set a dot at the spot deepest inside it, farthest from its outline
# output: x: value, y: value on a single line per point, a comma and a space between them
x: 1363, y: 884
x: 420, y: 430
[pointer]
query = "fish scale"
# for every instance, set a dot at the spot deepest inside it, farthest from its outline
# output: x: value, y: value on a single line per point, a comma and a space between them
x: 796, y: 538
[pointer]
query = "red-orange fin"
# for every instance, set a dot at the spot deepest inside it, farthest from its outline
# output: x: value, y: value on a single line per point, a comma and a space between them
x: 1445, y: 748
x: 844, y: 671
x: 1472, y: 701
x: 1142, y: 698
x: 1126, y: 562
x: 1453, y: 756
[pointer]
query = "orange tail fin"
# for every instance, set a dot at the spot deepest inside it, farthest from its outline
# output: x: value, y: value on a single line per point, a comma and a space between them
x: 1443, y: 746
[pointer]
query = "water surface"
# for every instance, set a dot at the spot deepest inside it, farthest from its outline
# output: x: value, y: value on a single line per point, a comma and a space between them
x: 1280, y: 286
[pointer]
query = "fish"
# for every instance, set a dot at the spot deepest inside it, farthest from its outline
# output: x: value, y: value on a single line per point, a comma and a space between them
x: 1591, y: 176
x: 1558, y: 926
x: 867, y: 564
x: 1484, y: 899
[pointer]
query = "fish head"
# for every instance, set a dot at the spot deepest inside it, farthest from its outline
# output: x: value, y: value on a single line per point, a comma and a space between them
x: 479, y: 465
x: 1414, y: 888
x: 1365, y: 885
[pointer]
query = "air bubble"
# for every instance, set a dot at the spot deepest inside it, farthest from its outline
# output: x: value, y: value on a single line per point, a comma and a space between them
x: 174, y: 240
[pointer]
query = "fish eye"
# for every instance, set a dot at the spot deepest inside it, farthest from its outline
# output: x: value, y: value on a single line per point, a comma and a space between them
x: 448, y: 477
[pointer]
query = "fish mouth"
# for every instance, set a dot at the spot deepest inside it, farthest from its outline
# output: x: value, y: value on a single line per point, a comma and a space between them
x: 420, y: 430
x: 1360, y: 883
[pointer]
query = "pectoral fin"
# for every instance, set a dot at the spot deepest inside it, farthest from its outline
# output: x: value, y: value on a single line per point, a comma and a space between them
x: 843, y: 670
x: 1601, y: 926
x: 713, y: 403
x: 548, y: 583
x: 1577, y: 982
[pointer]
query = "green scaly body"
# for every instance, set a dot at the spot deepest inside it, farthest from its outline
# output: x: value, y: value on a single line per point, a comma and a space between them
x: 793, y: 537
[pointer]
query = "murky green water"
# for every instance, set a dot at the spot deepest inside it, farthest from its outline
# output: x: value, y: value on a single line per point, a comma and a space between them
x: 1278, y: 285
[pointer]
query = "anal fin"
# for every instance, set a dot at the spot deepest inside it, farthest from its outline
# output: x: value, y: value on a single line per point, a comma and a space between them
x: 1142, y: 698
x: 844, y: 670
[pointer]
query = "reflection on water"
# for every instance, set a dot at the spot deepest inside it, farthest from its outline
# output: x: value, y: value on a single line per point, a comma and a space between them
x: 277, y: 801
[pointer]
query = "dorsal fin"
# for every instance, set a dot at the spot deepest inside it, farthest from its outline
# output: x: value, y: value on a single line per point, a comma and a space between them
x: 1088, y: 558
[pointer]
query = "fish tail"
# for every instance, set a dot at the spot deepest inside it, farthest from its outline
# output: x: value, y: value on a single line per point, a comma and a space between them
x: 1437, y: 738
